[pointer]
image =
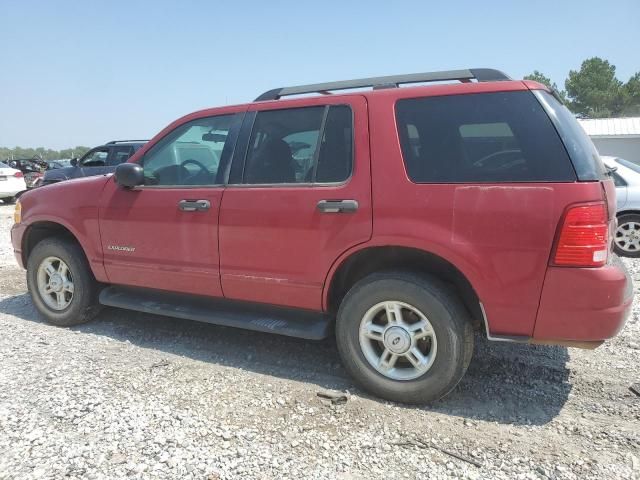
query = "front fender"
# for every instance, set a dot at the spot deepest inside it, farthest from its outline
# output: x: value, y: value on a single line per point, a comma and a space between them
x: 74, y: 206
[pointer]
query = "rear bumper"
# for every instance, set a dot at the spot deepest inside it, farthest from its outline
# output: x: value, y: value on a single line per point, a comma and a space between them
x: 17, y: 231
x: 584, y: 304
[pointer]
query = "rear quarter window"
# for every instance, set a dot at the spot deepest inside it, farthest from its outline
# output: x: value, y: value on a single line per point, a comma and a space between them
x: 480, y: 138
x: 583, y: 153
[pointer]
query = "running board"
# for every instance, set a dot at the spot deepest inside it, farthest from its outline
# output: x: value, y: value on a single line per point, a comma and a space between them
x: 250, y: 316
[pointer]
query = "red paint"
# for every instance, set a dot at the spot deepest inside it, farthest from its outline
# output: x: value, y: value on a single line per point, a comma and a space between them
x: 583, y: 303
x: 275, y: 246
x: 271, y: 245
x: 174, y: 250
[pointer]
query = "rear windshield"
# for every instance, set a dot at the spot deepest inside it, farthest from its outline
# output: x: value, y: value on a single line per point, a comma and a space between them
x: 487, y: 137
x: 583, y: 153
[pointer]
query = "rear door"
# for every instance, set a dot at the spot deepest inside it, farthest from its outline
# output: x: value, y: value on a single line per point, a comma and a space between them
x: 299, y: 195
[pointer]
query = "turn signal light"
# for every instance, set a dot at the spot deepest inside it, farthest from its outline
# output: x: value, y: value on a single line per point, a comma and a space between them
x: 17, y: 212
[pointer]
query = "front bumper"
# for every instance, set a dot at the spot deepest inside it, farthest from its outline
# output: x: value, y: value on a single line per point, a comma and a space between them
x: 584, y: 304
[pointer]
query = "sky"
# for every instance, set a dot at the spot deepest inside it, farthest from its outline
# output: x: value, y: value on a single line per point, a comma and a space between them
x: 86, y: 72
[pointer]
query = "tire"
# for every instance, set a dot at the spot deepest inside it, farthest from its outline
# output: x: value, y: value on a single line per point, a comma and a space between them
x: 9, y: 200
x: 82, y: 302
x: 451, y: 327
x: 626, y: 240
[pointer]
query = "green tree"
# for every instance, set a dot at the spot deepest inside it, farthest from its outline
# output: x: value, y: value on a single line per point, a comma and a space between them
x: 594, y: 91
x: 631, y: 92
x: 539, y: 77
x: 41, y: 153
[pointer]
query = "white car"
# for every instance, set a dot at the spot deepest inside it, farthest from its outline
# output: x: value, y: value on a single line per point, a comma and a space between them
x: 626, y: 176
x: 11, y: 183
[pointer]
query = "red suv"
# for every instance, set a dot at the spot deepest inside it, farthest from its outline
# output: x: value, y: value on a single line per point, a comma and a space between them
x: 400, y: 218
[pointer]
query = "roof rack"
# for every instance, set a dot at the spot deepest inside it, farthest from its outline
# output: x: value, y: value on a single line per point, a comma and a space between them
x: 391, y: 81
x: 124, y: 141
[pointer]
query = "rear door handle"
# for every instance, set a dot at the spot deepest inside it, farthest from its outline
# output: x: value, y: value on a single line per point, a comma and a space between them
x: 337, y: 206
x: 194, y: 205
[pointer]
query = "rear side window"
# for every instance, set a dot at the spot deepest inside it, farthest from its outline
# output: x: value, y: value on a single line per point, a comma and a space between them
x: 488, y: 137
x: 120, y: 155
x: 300, y: 145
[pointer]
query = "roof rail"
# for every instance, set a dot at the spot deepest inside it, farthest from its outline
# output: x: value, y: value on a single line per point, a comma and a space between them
x: 390, y: 81
x: 124, y: 141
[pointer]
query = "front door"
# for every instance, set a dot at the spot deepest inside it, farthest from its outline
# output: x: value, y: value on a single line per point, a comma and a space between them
x: 298, y: 198
x: 164, y: 234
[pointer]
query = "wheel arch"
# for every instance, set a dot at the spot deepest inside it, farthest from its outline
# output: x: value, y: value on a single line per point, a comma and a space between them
x: 358, y: 264
x: 42, y: 229
x: 627, y: 212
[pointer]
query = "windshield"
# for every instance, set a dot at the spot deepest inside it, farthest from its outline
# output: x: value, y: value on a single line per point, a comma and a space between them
x: 630, y: 165
x: 4, y: 165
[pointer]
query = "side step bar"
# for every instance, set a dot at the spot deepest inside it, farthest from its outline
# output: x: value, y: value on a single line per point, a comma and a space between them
x: 293, y: 323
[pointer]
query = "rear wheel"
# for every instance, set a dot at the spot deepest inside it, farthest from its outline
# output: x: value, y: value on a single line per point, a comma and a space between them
x: 61, y: 283
x: 627, y: 236
x: 404, y: 337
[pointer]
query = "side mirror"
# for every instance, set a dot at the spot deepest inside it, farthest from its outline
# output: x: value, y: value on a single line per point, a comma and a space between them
x: 129, y: 175
x: 74, y: 162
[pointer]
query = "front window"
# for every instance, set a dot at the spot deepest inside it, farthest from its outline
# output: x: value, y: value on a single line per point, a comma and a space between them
x: 95, y: 158
x: 190, y: 155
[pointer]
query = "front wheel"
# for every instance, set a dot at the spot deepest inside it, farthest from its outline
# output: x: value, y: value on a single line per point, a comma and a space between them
x: 404, y: 337
x: 9, y: 200
x: 61, y: 283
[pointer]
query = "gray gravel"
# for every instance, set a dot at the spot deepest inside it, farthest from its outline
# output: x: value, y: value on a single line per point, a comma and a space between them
x: 137, y: 396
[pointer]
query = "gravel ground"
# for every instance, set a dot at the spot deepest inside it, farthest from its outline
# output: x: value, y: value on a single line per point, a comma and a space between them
x: 137, y: 396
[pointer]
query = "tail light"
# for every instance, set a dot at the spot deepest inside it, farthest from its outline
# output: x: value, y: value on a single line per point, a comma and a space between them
x: 18, y: 174
x: 584, y: 237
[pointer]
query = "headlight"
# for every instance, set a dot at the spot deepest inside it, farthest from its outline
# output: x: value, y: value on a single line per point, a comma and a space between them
x: 17, y: 213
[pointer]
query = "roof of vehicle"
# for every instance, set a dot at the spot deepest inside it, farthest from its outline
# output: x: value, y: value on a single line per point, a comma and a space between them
x: 390, y: 81
x: 611, y: 127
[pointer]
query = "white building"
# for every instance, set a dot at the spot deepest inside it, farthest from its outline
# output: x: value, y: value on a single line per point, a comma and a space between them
x: 617, y: 137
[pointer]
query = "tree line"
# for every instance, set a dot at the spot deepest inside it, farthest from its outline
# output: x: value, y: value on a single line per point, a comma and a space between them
x: 41, y: 153
x: 594, y: 91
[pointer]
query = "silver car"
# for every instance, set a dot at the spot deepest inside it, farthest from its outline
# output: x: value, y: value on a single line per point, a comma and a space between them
x: 626, y: 176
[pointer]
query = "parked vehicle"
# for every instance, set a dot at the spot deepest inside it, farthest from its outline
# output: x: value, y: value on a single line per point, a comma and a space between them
x: 11, y: 183
x: 626, y: 176
x: 97, y: 161
x: 31, y: 168
x: 400, y: 218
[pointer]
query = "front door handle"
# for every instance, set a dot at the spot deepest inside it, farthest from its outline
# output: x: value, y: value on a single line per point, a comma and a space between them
x: 194, y: 205
x: 337, y: 206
